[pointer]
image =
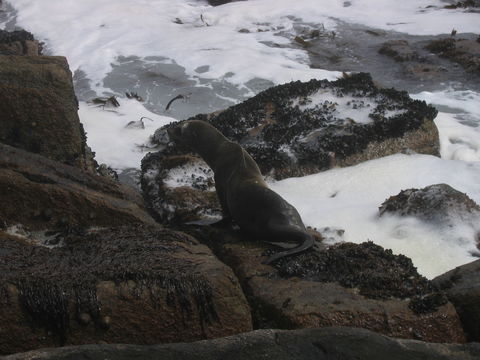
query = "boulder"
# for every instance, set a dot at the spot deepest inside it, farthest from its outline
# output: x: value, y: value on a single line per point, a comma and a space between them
x: 439, y: 205
x: 39, y: 109
x: 332, y: 343
x: 355, y: 285
x: 465, y: 52
x: 399, y: 50
x: 219, y: 2
x: 435, y: 203
x: 42, y: 194
x: 18, y: 42
x: 293, y: 130
x: 137, y: 284
x: 462, y: 286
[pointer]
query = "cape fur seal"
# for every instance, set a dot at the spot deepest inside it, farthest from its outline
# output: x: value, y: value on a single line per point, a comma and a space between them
x: 243, y: 194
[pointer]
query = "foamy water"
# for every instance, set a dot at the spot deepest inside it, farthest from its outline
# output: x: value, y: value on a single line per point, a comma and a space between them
x: 222, y: 55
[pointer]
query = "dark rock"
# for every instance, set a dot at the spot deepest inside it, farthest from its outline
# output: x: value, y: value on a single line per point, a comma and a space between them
x: 333, y: 343
x: 39, y: 109
x: 399, y: 50
x: 142, y: 285
x: 463, y: 51
x: 464, y: 4
x: 219, y: 2
x: 298, y: 129
x: 462, y: 286
x: 43, y: 194
x: 344, y: 285
x: 18, y: 42
x: 435, y: 203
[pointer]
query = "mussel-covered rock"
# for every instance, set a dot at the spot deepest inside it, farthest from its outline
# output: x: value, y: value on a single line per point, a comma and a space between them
x: 138, y: 284
x: 358, y: 285
x: 19, y: 42
x: 439, y: 205
x: 294, y: 130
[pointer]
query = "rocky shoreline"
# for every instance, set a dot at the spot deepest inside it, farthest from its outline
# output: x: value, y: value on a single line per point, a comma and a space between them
x: 87, y: 260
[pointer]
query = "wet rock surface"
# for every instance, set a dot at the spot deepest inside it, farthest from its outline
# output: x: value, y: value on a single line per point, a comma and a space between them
x: 434, y: 203
x: 219, y: 2
x: 298, y: 129
x: 334, y: 343
x: 42, y: 194
x: 462, y: 286
x: 343, y: 285
x: 399, y: 50
x: 465, y: 52
x: 18, y: 42
x: 39, y: 109
x: 139, y: 284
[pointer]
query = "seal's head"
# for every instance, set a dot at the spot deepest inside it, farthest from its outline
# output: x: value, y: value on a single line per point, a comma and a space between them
x: 196, y: 134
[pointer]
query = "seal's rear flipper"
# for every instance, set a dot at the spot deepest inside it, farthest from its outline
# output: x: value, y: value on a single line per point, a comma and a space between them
x: 307, y: 244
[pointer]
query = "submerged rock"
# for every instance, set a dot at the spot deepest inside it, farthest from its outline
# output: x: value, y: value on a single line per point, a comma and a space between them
x: 139, y: 284
x: 294, y: 130
x: 463, y: 51
x: 442, y: 206
x: 435, y: 203
x: 39, y: 109
x: 333, y: 343
x: 219, y: 2
x: 462, y: 286
x: 18, y: 42
x: 358, y: 285
x: 42, y: 194
x: 399, y: 50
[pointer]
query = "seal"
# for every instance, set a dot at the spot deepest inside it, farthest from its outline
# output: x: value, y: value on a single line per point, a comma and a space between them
x: 243, y: 194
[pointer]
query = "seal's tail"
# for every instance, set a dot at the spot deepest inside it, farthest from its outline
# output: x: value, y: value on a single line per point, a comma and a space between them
x: 307, y: 244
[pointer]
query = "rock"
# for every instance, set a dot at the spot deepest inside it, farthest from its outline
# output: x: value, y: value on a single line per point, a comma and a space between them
x: 179, y: 188
x: 39, y: 109
x: 18, y: 42
x: 344, y: 285
x: 453, y: 214
x: 333, y: 343
x: 294, y: 130
x: 138, y: 284
x: 434, y: 203
x: 43, y: 194
x: 219, y: 2
x: 464, y: 4
x: 462, y: 286
x: 463, y: 51
x: 399, y: 50
x: 424, y: 71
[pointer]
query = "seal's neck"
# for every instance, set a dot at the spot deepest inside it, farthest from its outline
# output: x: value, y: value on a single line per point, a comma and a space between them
x: 209, y: 144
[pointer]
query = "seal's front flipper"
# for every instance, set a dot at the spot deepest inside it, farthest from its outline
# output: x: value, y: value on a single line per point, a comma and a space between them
x: 224, y: 223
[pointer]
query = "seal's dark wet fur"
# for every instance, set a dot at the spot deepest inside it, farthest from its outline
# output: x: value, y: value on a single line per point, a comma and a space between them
x: 243, y: 194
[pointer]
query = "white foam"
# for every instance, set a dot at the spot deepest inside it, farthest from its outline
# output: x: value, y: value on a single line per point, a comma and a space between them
x: 189, y: 175
x: 349, y: 198
x: 93, y: 34
x: 345, y: 107
x: 458, y: 122
x: 113, y: 143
